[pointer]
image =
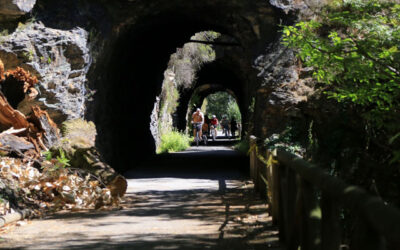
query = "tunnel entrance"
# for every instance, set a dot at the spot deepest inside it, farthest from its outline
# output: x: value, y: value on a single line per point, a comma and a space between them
x: 223, y: 106
x: 130, y: 72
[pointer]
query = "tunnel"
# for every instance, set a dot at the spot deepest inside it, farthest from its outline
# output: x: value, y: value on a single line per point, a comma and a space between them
x: 129, y: 76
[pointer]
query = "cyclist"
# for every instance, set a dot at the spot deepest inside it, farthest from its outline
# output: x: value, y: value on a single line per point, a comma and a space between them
x: 206, y: 122
x: 197, y: 121
x: 225, y: 125
x: 214, y: 123
x: 205, y: 132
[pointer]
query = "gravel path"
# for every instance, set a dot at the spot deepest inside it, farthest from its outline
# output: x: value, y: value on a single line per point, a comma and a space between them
x: 170, y: 210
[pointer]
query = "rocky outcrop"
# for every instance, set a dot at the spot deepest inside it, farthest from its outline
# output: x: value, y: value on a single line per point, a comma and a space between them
x: 284, y: 87
x: 59, y: 58
x: 12, y: 9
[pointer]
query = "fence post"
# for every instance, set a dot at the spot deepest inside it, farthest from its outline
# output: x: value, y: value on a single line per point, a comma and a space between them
x: 331, y: 232
x: 275, y: 190
x: 253, y: 158
x: 282, y: 202
x: 365, y: 238
x: 290, y: 229
x: 311, y: 218
x: 261, y: 171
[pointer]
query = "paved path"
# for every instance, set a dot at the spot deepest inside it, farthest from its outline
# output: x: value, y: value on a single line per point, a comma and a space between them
x: 183, y: 206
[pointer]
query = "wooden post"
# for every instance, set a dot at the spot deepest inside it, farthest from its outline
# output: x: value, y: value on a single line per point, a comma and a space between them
x: 293, y: 241
x: 283, y: 206
x: 291, y: 206
x: 262, y: 181
x: 311, y: 218
x: 331, y: 231
x: 274, y: 190
x: 253, y: 156
x: 365, y: 238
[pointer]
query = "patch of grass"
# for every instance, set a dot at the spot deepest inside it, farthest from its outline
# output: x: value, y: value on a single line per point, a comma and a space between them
x: 174, y: 141
x: 242, y: 146
x: 79, y: 133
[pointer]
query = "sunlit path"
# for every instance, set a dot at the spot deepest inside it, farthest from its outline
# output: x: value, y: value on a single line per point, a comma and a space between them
x: 217, y: 210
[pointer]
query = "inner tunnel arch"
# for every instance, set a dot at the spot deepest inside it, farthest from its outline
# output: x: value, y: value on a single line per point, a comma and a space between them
x: 214, y: 77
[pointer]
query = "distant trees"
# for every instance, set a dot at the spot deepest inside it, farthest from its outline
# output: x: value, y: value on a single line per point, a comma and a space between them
x: 222, y: 103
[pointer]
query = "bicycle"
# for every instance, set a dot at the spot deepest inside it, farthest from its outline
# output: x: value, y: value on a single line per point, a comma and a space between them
x: 197, y: 126
x: 213, y: 132
x: 225, y: 130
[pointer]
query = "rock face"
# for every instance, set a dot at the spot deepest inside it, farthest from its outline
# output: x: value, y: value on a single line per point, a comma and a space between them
x: 282, y: 90
x: 11, y: 9
x: 59, y: 58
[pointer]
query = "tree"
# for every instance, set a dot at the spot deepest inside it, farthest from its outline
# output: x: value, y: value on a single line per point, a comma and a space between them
x: 222, y: 103
x: 353, y: 47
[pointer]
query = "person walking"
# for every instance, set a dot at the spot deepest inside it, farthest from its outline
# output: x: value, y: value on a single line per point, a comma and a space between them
x: 233, y: 127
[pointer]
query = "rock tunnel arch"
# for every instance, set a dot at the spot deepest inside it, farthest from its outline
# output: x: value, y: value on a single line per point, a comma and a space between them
x: 129, y: 74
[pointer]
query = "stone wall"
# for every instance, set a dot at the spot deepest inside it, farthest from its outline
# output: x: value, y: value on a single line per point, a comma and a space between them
x: 59, y: 58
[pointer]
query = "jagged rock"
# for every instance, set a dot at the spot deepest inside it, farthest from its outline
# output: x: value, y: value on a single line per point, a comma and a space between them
x: 12, y: 9
x: 14, y: 143
x: 59, y: 58
x: 45, y: 124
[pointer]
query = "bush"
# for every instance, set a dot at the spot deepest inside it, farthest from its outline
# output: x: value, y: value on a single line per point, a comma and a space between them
x: 242, y: 146
x: 174, y: 141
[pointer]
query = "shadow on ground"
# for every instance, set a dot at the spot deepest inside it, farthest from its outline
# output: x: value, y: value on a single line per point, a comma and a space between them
x: 191, y: 200
x: 229, y: 216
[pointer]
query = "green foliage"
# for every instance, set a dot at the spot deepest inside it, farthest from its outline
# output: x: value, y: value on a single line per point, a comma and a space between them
x: 61, y: 161
x: 187, y: 60
x: 354, y: 50
x: 28, y: 55
x: 222, y: 103
x: 243, y: 146
x: 169, y: 97
x: 48, y: 155
x: 174, y: 141
x: 252, y: 105
x: 4, y: 32
x: 284, y: 140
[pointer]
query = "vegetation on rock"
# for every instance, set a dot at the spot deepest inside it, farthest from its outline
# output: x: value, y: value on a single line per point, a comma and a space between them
x: 352, y: 47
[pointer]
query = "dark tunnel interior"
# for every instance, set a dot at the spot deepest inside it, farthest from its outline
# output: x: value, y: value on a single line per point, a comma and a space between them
x: 130, y: 72
x: 132, y: 81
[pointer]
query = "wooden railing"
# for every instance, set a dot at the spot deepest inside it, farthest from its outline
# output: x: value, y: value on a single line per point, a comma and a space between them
x: 307, y: 204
